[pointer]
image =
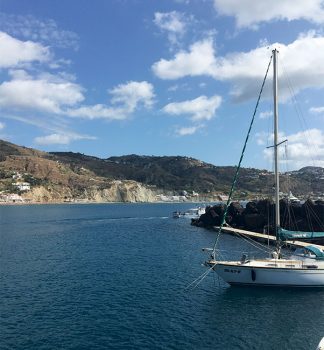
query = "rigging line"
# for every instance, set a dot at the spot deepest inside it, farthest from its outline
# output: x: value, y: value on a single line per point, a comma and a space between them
x: 299, y: 112
x: 310, y: 212
x: 200, y: 278
x: 293, y: 220
x: 291, y: 215
x: 313, y: 217
x: 253, y: 243
x: 241, y: 158
x: 268, y: 221
x: 308, y: 217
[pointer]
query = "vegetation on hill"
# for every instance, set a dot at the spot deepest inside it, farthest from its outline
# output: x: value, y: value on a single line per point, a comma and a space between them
x: 74, y: 174
x: 183, y: 173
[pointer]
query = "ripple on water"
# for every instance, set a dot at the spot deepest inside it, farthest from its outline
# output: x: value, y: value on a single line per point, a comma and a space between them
x: 115, y: 277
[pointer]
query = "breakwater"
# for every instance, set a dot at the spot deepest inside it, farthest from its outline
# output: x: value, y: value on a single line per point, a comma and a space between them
x: 259, y: 216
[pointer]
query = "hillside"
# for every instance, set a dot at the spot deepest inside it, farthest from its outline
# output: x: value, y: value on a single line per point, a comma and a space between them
x: 183, y: 173
x: 52, y: 181
x: 61, y: 176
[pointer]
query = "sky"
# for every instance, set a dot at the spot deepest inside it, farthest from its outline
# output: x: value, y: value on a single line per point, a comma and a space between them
x: 164, y: 78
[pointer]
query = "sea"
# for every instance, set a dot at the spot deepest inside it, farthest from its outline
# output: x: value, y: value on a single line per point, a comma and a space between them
x: 129, y: 276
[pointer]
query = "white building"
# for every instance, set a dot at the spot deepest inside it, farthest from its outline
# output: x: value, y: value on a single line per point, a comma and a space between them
x: 22, y: 186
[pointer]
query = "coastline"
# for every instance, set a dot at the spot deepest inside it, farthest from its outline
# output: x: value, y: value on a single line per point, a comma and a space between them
x: 100, y: 202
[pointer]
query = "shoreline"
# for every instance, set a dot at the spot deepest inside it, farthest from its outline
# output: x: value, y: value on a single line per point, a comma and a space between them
x: 91, y: 202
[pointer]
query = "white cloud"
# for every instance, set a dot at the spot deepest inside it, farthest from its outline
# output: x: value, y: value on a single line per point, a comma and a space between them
x: 170, y: 21
x: 199, y: 60
x: 301, y: 61
x: 249, y: 13
x: 182, y: 1
x: 56, y: 127
x: 61, y: 139
x: 173, y: 23
x: 2, y: 125
x: 57, y: 95
x: 190, y: 130
x: 16, y: 52
x: 200, y: 108
x: 44, y: 31
x: 304, y: 149
x: 46, y: 94
x: 317, y: 110
x: 178, y: 87
x: 266, y: 114
x: 126, y: 98
x: 98, y: 111
x: 173, y: 88
x: 133, y: 93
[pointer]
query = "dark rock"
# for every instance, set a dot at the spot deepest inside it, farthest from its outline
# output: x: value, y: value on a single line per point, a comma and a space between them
x: 251, y: 208
x: 254, y: 222
x: 235, y: 209
x: 265, y: 207
x: 260, y: 216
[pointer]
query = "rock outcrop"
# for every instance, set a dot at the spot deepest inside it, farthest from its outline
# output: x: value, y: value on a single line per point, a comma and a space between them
x: 258, y: 216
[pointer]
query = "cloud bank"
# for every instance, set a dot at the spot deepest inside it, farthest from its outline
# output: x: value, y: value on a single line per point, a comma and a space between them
x: 16, y: 52
x: 304, y: 148
x: 200, y: 108
x: 61, y: 138
x: 249, y: 13
x: 44, y: 31
x: 301, y: 61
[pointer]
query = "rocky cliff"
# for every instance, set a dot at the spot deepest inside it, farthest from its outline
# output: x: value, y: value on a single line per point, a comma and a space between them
x: 54, y: 181
x: 67, y: 176
x: 114, y: 191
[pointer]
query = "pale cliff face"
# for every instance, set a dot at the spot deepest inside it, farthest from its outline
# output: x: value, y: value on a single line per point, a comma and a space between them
x: 116, y: 191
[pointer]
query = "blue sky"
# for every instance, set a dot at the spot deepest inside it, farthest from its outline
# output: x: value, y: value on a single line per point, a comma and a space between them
x: 168, y: 77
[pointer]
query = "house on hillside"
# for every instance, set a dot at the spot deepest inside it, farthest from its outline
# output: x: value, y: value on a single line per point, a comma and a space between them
x: 17, y: 176
x: 22, y: 186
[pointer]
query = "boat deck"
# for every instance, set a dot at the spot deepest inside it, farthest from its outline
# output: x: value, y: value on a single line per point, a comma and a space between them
x: 270, y: 264
x: 265, y: 238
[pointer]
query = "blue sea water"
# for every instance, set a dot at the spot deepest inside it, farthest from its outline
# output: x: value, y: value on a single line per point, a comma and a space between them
x: 114, y: 276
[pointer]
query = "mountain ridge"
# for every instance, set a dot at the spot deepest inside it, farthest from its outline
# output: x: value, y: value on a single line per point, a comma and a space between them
x: 74, y: 175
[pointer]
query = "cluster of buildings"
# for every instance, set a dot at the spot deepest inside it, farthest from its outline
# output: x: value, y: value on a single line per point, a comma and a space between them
x: 20, y: 185
x: 192, y: 197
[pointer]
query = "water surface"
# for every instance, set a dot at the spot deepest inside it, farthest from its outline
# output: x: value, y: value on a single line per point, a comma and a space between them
x: 114, y: 277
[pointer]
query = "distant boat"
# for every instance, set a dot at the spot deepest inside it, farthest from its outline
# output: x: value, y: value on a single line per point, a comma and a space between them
x: 292, y: 199
x: 192, y: 213
x: 304, y: 269
x: 176, y: 214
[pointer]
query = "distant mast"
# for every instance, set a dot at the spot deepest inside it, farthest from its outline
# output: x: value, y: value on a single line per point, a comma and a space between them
x: 275, y: 115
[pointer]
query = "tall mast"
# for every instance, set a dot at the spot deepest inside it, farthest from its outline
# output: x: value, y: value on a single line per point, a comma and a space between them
x: 275, y: 112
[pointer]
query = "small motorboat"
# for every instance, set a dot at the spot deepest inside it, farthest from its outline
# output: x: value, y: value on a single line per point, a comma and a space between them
x: 176, y: 214
x: 194, y: 213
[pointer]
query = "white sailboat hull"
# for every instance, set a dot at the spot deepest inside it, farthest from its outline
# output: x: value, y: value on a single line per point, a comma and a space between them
x: 258, y: 274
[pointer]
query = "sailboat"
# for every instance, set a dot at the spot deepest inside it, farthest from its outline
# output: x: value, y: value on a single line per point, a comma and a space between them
x: 303, y: 269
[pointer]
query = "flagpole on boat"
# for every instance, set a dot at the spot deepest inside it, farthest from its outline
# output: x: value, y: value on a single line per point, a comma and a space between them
x: 275, y: 115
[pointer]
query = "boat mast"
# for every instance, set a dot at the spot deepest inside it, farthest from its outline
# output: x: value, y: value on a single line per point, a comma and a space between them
x: 275, y: 112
